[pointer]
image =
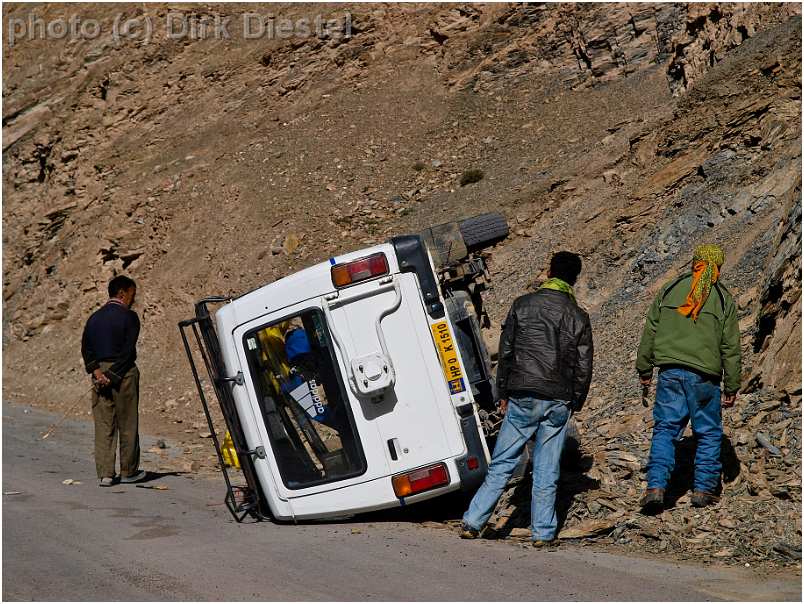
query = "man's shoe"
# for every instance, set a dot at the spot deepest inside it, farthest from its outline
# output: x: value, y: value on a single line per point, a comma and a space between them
x: 469, y: 533
x: 652, y: 502
x: 134, y: 477
x: 106, y: 481
x: 540, y: 543
x: 702, y: 499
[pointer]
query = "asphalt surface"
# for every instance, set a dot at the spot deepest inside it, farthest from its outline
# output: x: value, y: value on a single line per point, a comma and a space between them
x: 81, y: 542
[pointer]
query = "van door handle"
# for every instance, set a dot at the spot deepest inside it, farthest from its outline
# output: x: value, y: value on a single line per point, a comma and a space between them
x: 393, y: 444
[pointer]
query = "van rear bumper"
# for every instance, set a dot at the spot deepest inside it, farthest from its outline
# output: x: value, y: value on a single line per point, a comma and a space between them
x: 376, y: 494
x: 470, y: 478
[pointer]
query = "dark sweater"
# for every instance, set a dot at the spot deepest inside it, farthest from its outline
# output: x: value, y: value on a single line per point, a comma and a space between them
x: 110, y: 334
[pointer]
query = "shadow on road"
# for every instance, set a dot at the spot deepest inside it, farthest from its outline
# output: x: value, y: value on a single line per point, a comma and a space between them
x: 151, y: 476
x: 450, y: 508
x: 447, y: 508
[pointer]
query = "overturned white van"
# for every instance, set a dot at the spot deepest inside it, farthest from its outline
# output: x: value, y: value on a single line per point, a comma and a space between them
x: 351, y: 385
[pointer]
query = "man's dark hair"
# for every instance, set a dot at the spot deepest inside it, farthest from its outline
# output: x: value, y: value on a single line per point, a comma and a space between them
x: 119, y: 284
x: 566, y: 266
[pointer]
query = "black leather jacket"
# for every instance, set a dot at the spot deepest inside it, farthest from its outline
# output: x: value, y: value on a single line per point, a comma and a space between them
x: 546, y: 349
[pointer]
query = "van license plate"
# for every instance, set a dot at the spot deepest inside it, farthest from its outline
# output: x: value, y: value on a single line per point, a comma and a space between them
x: 449, y: 357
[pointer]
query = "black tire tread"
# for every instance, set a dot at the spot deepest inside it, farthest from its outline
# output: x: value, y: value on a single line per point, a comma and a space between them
x: 483, y: 230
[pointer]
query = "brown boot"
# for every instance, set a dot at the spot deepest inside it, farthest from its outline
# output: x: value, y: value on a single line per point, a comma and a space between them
x: 702, y: 499
x: 652, y: 502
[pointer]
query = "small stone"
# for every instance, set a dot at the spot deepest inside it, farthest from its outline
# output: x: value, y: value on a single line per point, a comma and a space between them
x: 765, y: 442
x: 588, y: 528
x: 291, y: 243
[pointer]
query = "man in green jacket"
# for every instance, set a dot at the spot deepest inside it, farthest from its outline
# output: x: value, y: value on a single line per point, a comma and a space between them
x: 691, y: 334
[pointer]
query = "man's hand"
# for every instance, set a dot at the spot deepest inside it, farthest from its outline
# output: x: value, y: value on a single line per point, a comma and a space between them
x: 502, y: 405
x: 645, y: 380
x: 728, y: 399
x: 100, y: 378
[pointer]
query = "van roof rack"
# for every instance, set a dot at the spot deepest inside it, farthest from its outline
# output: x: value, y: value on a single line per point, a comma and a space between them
x: 242, y: 500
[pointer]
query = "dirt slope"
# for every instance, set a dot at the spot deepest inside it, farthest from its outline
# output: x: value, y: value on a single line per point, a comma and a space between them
x: 629, y: 133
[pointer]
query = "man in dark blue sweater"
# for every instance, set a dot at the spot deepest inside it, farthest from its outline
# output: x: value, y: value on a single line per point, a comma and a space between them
x: 109, y: 348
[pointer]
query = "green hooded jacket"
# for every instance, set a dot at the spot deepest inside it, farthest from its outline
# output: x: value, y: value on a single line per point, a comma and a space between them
x: 710, y: 345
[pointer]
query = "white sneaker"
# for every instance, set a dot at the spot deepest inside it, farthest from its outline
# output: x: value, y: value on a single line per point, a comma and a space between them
x: 134, y: 477
x: 106, y: 481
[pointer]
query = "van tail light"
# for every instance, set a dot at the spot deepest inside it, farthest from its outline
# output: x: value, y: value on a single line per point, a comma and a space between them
x: 359, y: 270
x: 421, y: 480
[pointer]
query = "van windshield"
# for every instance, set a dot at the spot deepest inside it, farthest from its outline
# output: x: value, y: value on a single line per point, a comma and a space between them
x: 303, y: 401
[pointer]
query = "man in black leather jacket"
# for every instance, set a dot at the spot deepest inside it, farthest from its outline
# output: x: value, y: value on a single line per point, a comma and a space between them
x: 544, y: 373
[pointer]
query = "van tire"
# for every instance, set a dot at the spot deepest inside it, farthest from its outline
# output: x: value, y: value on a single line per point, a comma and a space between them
x: 571, y: 455
x: 483, y: 230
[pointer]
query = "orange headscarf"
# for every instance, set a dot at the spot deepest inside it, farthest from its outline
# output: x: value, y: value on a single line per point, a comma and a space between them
x: 706, y: 263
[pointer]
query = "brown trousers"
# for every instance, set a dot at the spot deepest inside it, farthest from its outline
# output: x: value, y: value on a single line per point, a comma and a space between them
x: 116, y: 411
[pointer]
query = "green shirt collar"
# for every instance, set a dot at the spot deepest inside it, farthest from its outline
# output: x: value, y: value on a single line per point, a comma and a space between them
x: 560, y: 285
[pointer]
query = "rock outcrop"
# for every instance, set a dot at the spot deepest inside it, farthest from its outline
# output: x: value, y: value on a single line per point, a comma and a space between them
x: 710, y: 30
x: 777, y: 335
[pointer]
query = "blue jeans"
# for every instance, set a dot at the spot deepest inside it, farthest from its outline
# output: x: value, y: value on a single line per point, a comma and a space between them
x: 681, y: 396
x: 526, y: 416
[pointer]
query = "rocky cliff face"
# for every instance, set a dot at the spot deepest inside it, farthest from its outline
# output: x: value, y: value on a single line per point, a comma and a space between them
x: 777, y: 330
x: 709, y: 31
x: 629, y: 133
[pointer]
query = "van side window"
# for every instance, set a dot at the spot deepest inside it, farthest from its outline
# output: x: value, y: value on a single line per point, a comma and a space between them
x: 303, y: 401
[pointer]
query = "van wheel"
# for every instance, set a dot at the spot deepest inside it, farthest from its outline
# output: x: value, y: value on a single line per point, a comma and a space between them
x: 572, y: 456
x: 483, y: 230
x: 572, y: 430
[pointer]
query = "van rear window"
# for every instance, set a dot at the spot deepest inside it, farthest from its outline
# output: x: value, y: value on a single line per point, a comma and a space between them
x: 303, y: 401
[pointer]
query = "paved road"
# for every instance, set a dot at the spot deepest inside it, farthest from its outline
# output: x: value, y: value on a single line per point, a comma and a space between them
x: 80, y: 542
